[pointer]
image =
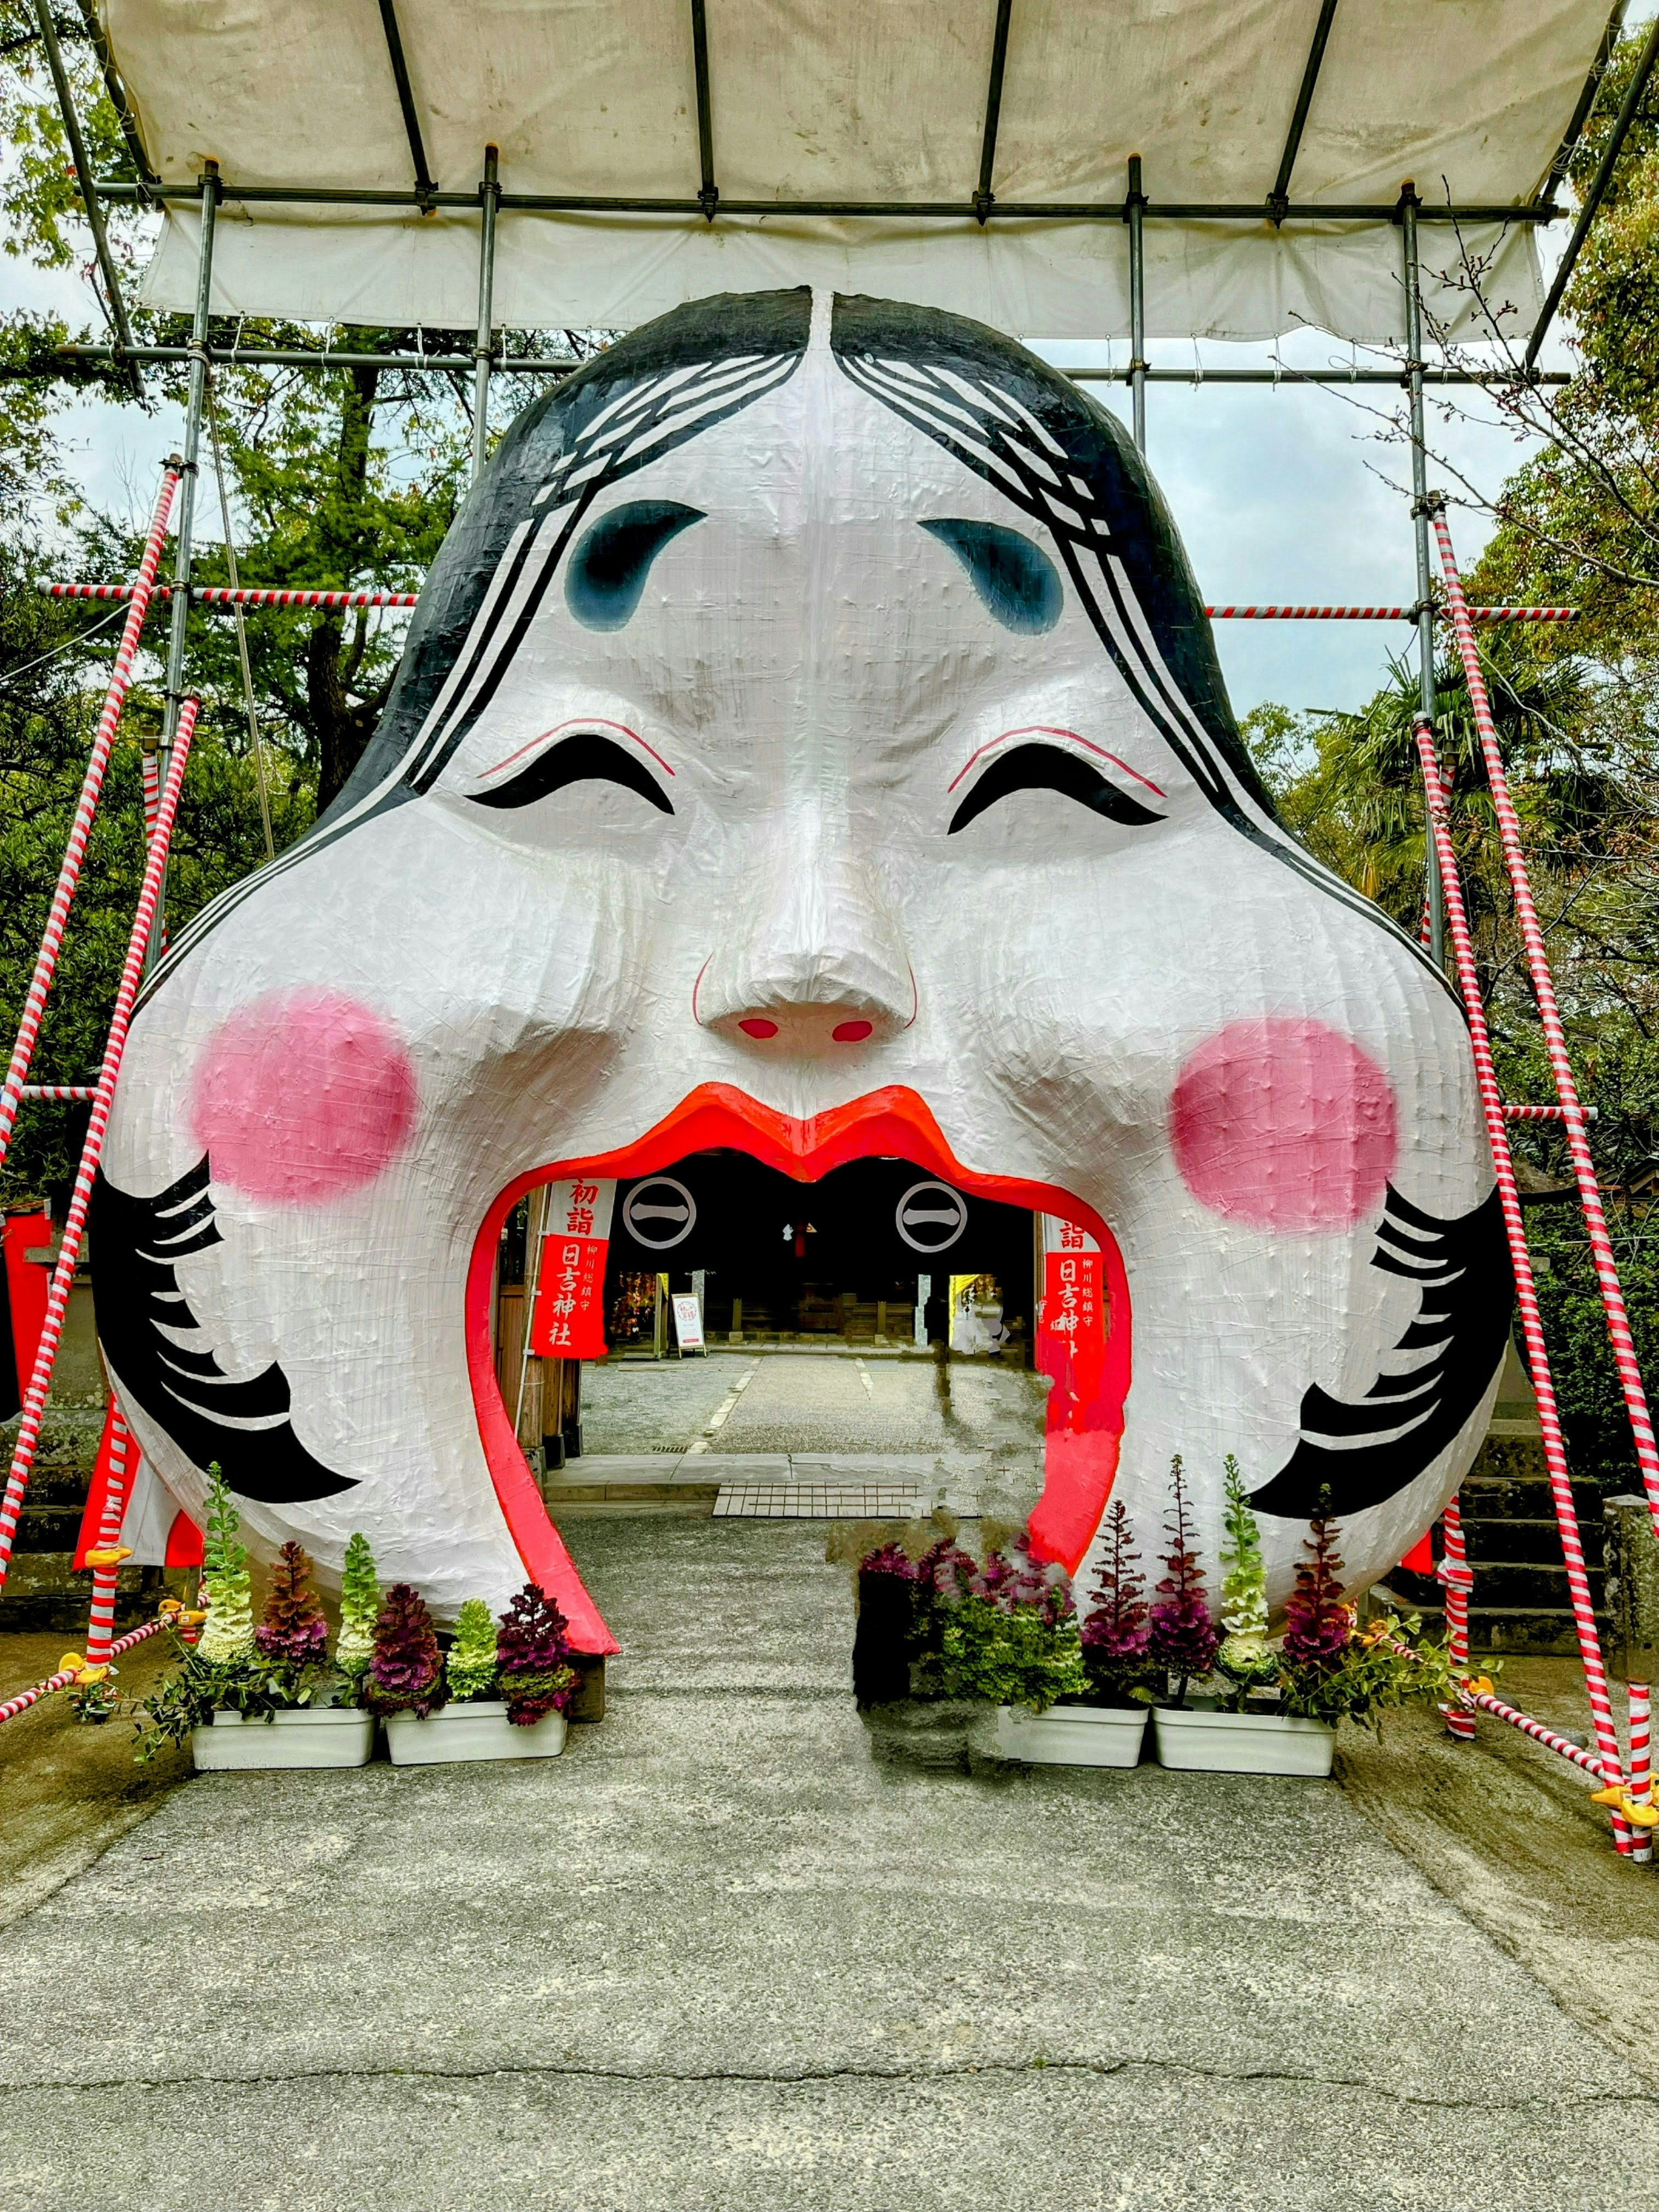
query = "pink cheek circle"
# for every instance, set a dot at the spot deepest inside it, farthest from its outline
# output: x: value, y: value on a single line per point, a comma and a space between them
x: 303, y: 1096
x: 1284, y: 1124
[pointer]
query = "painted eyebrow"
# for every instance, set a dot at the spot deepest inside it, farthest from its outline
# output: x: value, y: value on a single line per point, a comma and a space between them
x: 1039, y: 767
x: 1040, y: 731
x: 1019, y: 586
x: 605, y: 577
x: 584, y: 754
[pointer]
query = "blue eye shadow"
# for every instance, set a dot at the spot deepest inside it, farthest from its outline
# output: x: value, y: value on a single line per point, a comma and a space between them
x: 607, y: 572
x: 1016, y: 582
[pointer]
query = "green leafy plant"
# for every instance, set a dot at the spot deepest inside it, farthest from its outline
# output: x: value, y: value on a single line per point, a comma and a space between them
x: 227, y: 1637
x: 360, y: 1608
x: 222, y: 1671
x: 1245, y: 1658
x: 1389, y: 1664
x: 472, y: 1664
x: 1012, y: 1639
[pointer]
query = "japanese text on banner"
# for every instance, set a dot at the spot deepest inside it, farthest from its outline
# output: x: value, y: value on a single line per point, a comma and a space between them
x: 568, y: 1319
x: 1072, y: 1329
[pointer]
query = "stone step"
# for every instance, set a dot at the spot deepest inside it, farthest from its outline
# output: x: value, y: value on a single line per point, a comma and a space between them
x: 1530, y: 1542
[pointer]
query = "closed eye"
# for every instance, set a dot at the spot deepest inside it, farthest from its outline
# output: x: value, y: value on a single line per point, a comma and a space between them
x: 586, y: 757
x: 1051, y: 767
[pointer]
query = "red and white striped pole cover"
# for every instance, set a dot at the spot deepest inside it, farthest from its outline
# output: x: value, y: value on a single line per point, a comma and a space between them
x: 1543, y: 988
x: 1498, y: 1136
x: 1641, y: 1771
x: 1456, y: 1578
x: 34, y: 1400
x: 59, y: 1090
x: 33, y: 1696
x: 122, y: 1459
x: 28, y: 1028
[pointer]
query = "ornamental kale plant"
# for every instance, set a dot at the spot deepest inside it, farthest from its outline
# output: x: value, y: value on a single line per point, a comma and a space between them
x: 406, y: 1673
x: 1183, y: 1639
x: 1317, y: 1624
x: 223, y: 1671
x: 227, y: 1639
x: 471, y: 1664
x: 1245, y: 1657
x: 1118, y: 1626
x: 537, y: 1678
x: 293, y: 1633
x: 360, y: 1608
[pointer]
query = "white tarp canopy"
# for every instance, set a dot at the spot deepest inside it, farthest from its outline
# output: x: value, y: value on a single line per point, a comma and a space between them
x: 861, y: 100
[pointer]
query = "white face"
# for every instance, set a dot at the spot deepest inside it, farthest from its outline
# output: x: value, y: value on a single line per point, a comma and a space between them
x: 810, y: 775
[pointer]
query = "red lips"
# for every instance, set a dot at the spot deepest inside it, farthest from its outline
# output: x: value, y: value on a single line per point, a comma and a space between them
x: 1080, y: 1469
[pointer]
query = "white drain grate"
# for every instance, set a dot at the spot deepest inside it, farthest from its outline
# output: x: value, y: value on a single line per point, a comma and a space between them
x: 816, y: 1501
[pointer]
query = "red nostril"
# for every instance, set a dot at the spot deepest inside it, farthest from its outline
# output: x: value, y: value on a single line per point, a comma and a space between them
x: 851, y: 1032
x: 757, y: 1026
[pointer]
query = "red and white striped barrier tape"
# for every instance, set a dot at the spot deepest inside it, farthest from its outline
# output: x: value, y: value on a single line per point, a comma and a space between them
x: 1543, y: 988
x: 28, y: 1028
x: 34, y: 1400
x: 1385, y: 614
x: 222, y: 595
x: 62, y: 1680
x: 219, y: 595
x: 1497, y: 1136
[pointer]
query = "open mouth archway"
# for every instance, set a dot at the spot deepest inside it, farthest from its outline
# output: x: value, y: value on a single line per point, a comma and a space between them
x: 1085, y: 1413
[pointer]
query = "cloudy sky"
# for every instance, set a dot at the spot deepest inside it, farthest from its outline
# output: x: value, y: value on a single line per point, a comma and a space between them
x: 1284, y: 494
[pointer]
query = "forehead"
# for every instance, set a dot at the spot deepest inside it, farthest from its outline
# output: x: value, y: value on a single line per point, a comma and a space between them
x: 812, y: 582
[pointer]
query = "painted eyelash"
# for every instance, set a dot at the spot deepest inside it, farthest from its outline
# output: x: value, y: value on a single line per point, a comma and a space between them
x: 1051, y: 767
x: 585, y: 757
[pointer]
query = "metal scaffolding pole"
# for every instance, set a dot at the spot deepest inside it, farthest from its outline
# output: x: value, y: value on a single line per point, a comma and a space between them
x: 489, y: 195
x: 1134, y: 208
x: 1434, y: 890
x: 195, y: 404
x: 1598, y: 189
x: 114, y: 306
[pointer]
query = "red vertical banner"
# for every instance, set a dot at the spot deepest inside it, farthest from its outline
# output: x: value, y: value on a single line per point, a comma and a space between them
x: 1084, y: 1424
x: 1073, y: 1324
x: 568, y: 1319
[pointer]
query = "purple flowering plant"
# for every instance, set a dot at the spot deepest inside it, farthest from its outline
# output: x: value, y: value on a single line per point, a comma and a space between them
x: 1183, y: 1641
x: 1118, y: 1626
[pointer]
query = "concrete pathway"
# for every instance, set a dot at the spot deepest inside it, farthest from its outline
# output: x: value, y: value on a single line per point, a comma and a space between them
x: 717, y: 1957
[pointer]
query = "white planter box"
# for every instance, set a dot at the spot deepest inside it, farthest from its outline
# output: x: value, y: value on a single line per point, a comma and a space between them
x: 481, y: 1730
x: 1243, y: 1743
x: 323, y: 1735
x: 1073, y: 1736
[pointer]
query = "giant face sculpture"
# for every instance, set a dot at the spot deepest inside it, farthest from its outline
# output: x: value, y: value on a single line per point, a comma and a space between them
x: 810, y: 739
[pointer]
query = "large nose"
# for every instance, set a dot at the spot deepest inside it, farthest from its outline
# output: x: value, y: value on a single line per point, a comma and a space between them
x: 812, y: 959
